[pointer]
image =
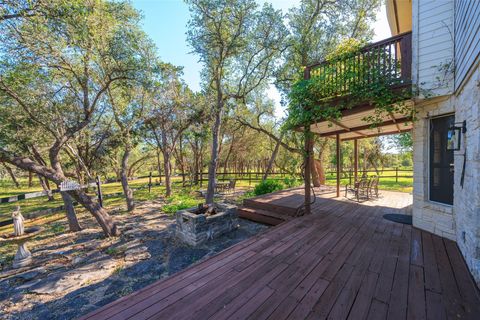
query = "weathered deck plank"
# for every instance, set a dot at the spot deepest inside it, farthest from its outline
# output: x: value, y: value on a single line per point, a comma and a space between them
x: 343, y: 262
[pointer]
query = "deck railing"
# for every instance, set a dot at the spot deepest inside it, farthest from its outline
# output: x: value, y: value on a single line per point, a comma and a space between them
x: 388, y: 61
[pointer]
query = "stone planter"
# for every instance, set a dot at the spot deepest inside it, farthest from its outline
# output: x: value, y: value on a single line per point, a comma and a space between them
x: 196, y: 229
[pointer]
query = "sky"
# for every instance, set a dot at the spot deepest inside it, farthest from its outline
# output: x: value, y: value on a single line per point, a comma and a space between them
x: 165, y: 21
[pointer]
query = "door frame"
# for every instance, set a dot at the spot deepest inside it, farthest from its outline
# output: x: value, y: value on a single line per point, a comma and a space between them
x: 428, y: 160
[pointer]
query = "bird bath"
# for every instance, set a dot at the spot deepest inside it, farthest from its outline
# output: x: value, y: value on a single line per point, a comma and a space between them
x: 23, y: 257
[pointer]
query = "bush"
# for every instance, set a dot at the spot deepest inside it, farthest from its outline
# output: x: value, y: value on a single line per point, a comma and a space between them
x: 407, y: 162
x: 291, y: 182
x: 180, y: 202
x: 268, y: 186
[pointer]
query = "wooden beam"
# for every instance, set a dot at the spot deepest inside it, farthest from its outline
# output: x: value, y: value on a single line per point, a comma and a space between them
x: 377, y: 134
x: 341, y: 125
x: 355, y: 159
x: 394, y: 120
x: 366, y: 127
x: 338, y: 165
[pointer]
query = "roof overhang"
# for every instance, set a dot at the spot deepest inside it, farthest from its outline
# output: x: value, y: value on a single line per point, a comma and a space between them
x: 399, y: 15
x: 353, y: 124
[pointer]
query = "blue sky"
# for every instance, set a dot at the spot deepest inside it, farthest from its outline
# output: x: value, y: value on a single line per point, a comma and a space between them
x: 165, y: 22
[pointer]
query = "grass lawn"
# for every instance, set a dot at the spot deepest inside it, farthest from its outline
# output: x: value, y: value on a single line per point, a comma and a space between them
x: 183, y: 197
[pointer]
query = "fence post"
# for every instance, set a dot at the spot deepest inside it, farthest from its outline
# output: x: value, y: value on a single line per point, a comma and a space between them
x: 249, y: 178
x: 201, y: 178
x: 150, y: 182
x: 396, y: 174
x: 99, y: 191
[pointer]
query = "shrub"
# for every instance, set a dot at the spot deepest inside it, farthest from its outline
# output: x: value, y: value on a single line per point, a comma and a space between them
x: 291, y: 182
x: 268, y: 186
x: 407, y: 162
x: 180, y: 202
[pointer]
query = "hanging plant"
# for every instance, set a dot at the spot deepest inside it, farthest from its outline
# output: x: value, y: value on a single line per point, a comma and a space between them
x: 349, y: 78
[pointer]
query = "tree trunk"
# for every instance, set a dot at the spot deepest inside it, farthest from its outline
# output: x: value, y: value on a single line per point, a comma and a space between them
x: 100, y: 214
x: 214, y: 154
x: 124, y: 177
x: 30, y: 178
x: 159, y: 166
x: 73, y: 223
x: 12, y: 175
x: 228, y: 154
x: 45, y: 188
x: 166, y: 165
x: 182, y: 164
x: 320, y: 171
x: 272, y: 158
x: 315, y: 175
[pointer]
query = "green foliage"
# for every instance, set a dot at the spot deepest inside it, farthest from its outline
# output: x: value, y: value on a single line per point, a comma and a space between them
x: 268, y: 186
x: 291, y: 182
x: 348, y: 74
x: 57, y: 228
x: 180, y: 202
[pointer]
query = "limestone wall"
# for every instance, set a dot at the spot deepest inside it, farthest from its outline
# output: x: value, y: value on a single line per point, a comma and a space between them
x: 466, y: 201
x: 433, y: 217
x: 460, y: 222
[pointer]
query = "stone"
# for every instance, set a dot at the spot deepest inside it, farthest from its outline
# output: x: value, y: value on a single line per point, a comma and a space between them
x: 68, y: 281
x: 195, y: 229
x: 31, y: 274
x: 136, y: 254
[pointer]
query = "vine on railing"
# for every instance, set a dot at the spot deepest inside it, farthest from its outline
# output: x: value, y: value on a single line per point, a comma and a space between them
x: 378, y: 75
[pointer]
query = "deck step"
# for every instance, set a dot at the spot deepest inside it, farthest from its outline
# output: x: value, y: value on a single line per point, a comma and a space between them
x: 262, y: 216
x: 266, y: 206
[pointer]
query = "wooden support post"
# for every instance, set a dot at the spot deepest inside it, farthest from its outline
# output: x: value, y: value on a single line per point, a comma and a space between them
x: 338, y: 165
x: 396, y: 174
x: 308, y: 148
x: 355, y: 159
x: 308, y: 159
x: 99, y: 191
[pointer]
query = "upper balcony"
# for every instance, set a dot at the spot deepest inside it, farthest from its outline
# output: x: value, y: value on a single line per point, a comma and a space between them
x: 388, y: 62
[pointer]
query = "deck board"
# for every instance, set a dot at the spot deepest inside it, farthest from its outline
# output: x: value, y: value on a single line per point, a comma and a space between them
x: 342, y: 262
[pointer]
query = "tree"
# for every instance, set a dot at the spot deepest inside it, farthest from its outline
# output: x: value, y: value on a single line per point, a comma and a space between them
x: 171, y: 113
x: 238, y: 44
x: 56, y: 69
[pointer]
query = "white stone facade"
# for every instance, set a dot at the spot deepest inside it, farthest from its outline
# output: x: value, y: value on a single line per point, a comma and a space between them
x: 460, y: 222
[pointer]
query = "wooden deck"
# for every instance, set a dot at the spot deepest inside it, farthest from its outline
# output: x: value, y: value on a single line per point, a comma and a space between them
x: 277, y: 207
x: 343, y: 262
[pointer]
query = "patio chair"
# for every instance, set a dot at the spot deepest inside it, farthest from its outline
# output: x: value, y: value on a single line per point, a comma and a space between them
x: 231, y: 185
x: 373, y: 188
x: 359, y: 188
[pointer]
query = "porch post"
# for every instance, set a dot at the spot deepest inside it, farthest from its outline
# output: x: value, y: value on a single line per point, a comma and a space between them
x: 355, y: 159
x: 308, y: 143
x: 308, y: 159
x: 338, y: 165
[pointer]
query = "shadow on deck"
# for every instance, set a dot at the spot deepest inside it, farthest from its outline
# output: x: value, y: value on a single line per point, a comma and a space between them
x: 345, y: 261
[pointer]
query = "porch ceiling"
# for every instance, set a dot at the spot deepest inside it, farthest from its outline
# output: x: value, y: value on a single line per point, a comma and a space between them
x: 353, y: 126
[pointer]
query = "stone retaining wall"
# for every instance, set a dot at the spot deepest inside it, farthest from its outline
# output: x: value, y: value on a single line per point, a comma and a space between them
x: 195, y: 229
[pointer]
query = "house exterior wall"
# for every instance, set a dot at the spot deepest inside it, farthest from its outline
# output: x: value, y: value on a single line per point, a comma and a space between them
x: 433, y: 217
x: 467, y: 41
x: 443, y: 32
x: 466, y: 201
x: 433, y: 46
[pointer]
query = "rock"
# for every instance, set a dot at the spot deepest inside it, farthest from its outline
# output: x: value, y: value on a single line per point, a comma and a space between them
x: 68, y: 281
x: 31, y: 274
x: 138, y: 253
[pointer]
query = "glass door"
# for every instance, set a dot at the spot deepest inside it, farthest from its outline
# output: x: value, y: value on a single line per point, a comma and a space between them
x: 441, y: 160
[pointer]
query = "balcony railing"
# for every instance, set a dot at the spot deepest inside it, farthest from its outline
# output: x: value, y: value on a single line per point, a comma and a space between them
x: 388, y: 61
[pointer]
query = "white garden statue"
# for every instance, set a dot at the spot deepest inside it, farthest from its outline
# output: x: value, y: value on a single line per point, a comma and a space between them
x: 18, y: 222
x: 20, y: 235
